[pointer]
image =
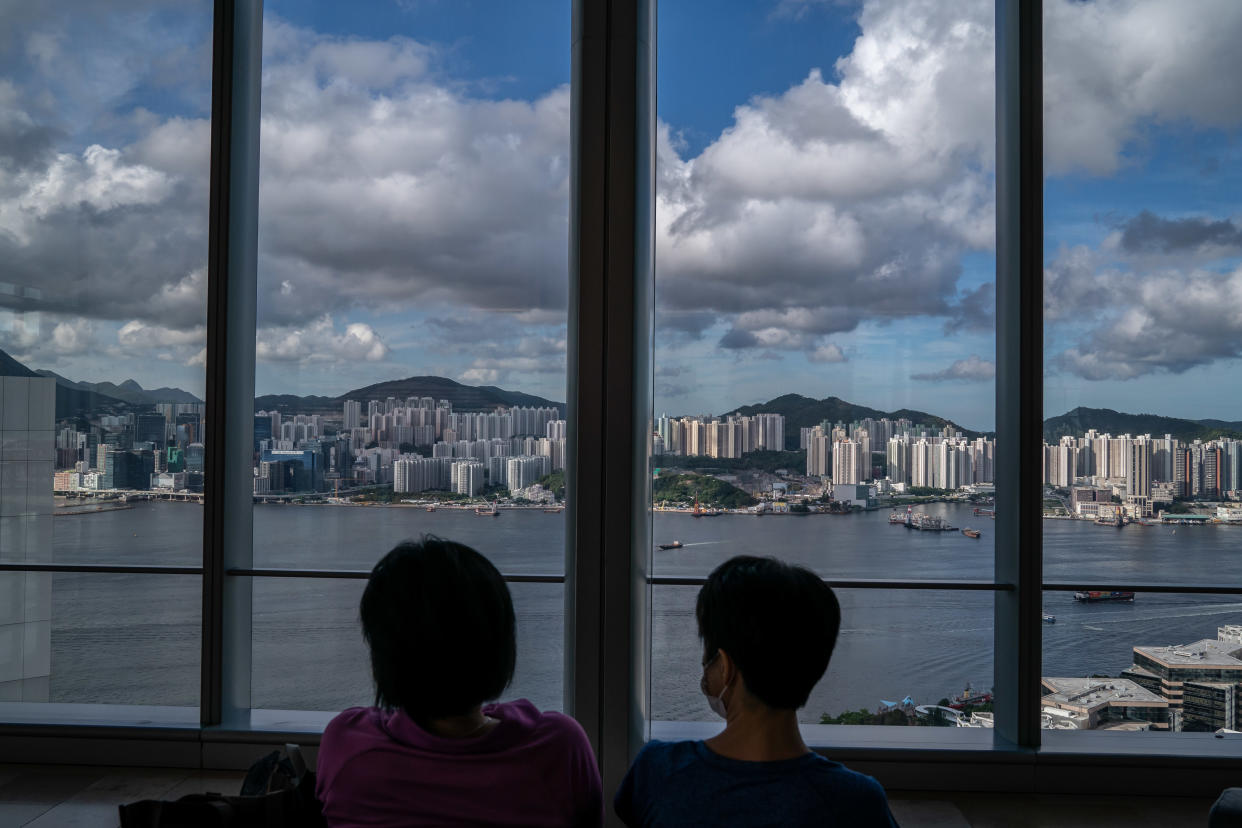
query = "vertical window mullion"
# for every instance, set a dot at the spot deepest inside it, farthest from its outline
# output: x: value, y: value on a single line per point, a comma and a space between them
x: 231, y: 299
x: 1019, y: 368
x: 610, y: 378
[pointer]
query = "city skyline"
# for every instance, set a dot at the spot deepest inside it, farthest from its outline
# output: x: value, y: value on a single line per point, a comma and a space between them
x: 824, y: 202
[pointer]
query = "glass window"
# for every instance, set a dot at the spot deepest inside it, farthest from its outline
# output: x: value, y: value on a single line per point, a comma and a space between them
x: 824, y: 329
x: 104, y: 159
x: 413, y: 239
x: 1142, y: 456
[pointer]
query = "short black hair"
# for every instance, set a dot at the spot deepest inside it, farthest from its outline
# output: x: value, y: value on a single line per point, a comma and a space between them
x: 438, y: 618
x: 778, y: 622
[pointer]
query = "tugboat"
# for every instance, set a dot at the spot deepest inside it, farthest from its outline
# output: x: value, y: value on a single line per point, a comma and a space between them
x: 1095, y: 595
x: 971, y: 533
x: 674, y: 545
x: 969, y: 697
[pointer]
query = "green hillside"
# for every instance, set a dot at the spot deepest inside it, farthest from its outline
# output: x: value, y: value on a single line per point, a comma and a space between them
x: 804, y: 412
x: 684, y: 488
x: 1104, y: 420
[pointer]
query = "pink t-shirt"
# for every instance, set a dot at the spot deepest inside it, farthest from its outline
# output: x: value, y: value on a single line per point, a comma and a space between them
x: 378, y: 767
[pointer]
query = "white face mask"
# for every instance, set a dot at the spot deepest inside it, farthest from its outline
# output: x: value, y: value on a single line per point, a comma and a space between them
x: 716, y: 703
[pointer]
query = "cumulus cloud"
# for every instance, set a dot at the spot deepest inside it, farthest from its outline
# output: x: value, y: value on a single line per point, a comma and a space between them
x: 827, y: 354
x: 849, y: 197
x: 971, y: 369
x: 320, y: 341
x: 1150, y: 233
x: 1169, y: 321
x: 1114, y: 67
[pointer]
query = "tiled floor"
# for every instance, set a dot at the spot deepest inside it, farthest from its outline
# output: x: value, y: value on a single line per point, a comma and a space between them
x: 44, y: 796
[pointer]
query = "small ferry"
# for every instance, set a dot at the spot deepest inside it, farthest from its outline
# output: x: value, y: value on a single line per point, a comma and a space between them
x: 674, y: 545
x: 489, y: 511
x: 971, y: 533
x: 1095, y: 595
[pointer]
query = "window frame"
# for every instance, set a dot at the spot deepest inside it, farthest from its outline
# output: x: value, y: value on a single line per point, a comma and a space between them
x: 608, y: 578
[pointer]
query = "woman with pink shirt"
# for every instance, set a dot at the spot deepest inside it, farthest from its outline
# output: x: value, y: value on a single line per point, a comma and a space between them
x: 439, y: 620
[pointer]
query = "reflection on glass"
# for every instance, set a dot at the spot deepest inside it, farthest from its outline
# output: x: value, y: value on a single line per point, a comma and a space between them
x: 104, y: 638
x: 104, y: 160
x: 314, y: 621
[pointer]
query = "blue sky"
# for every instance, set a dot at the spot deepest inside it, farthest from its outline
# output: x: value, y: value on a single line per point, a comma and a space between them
x: 825, y: 209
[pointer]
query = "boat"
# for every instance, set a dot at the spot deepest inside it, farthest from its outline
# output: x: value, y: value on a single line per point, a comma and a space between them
x: 1049, y: 618
x: 969, y: 697
x: 431, y: 508
x: 490, y: 511
x: 674, y: 545
x: 553, y: 510
x: 971, y: 533
x: 1095, y: 595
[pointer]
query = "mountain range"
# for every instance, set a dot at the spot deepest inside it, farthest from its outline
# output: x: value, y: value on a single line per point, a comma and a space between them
x: 1105, y: 420
x: 804, y: 412
x: 78, y: 398
x: 463, y: 397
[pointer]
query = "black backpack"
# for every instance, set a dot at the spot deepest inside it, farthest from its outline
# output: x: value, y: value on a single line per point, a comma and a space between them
x: 278, y: 792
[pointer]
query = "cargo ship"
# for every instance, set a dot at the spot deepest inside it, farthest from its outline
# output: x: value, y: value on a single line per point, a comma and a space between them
x: 971, y: 533
x: 673, y: 545
x: 490, y: 511
x: 1094, y: 595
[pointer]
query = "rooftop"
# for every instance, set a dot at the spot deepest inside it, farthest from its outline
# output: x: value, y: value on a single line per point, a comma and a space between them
x: 1088, y: 693
x: 1209, y: 652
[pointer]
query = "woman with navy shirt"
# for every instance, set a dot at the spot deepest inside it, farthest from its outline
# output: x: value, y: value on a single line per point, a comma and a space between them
x: 768, y: 629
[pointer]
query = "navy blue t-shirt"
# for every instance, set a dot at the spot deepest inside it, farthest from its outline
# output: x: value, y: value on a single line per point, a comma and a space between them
x: 685, y: 783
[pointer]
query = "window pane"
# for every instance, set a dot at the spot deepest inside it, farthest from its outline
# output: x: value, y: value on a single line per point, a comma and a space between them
x: 413, y: 239
x: 1142, y: 333
x: 1138, y: 661
x: 1142, y: 459
x: 314, y: 621
x: 921, y: 645
x: 103, y: 639
x: 104, y: 159
x: 824, y: 372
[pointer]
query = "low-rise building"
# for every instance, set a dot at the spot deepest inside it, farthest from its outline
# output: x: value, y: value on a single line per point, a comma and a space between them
x: 1092, y: 703
x: 1201, y: 681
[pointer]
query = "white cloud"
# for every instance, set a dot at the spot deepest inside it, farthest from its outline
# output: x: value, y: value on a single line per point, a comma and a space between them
x: 849, y: 197
x: 320, y: 342
x: 480, y: 376
x: 971, y: 369
x: 827, y: 354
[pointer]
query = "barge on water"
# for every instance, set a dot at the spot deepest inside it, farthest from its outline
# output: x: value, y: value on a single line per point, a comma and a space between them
x: 1095, y: 595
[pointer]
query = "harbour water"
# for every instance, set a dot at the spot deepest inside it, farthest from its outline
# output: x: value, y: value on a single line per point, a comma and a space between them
x: 134, y: 638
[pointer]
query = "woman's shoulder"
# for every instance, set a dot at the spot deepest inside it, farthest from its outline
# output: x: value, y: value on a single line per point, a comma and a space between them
x: 351, y: 722
x: 545, y: 725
